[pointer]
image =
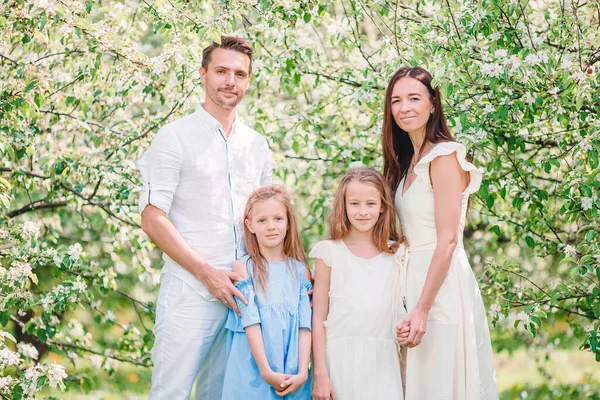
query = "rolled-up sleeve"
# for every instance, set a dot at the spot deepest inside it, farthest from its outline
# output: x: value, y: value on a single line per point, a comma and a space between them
x: 159, y: 167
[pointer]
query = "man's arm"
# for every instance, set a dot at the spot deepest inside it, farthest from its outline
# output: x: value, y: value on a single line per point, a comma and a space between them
x: 162, y: 232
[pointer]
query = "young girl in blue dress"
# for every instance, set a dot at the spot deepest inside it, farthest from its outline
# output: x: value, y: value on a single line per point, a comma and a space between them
x: 270, y: 343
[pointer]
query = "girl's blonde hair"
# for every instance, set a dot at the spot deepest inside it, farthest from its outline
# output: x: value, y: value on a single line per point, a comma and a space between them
x: 292, y: 245
x: 385, y: 229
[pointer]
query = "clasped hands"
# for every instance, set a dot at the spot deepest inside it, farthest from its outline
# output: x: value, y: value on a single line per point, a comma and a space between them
x: 410, y: 332
x: 285, y: 384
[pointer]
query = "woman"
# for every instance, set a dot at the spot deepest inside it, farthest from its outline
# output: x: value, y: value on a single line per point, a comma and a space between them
x: 449, y: 352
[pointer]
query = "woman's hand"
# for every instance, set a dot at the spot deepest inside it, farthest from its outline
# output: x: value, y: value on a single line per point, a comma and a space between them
x: 275, y: 379
x: 322, y: 389
x: 293, y: 383
x: 416, y: 322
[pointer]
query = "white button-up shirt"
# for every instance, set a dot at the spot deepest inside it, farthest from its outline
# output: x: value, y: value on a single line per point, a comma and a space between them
x: 202, y: 180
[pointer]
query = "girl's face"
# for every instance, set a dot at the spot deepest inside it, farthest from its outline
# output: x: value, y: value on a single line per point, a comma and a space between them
x: 363, y: 205
x: 411, y: 105
x: 268, y: 221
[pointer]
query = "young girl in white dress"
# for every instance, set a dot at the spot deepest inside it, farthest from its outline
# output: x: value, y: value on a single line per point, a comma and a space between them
x: 356, y: 299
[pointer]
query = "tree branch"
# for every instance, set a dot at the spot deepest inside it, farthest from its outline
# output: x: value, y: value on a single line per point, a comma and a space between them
x: 36, y: 205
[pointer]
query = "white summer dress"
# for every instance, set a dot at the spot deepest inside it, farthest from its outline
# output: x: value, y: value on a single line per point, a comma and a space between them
x: 361, y: 354
x: 454, y: 360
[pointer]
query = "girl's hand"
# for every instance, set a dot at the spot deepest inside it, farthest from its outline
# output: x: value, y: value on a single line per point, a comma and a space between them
x: 276, y: 380
x: 416, y: 321
x: 322, y: 389
x: 402, y: 332
x: 293, y: 383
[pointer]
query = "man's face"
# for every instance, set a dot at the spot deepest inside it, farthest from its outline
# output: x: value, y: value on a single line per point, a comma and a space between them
x: 226, y: 78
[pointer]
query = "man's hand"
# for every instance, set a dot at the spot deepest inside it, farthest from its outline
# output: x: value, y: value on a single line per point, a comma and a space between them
x: 293, y: 383
x: 220, y: 283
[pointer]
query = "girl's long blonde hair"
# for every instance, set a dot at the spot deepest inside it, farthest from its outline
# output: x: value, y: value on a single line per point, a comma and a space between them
x: 385, y: 229
x: 292, y: 245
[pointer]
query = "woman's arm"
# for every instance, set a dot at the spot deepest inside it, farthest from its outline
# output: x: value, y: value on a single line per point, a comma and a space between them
x: 449, y: 181
x: 322, y: 387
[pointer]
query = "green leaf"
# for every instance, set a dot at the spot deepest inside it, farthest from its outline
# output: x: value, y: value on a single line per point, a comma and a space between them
x: 530, y: 242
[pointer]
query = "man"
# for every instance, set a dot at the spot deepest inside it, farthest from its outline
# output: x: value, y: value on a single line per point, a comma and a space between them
x: 198, y: 174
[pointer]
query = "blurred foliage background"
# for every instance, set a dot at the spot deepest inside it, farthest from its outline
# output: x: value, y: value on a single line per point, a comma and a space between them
x: 86, y: 85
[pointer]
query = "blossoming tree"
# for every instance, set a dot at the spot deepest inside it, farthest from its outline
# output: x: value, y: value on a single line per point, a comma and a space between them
x: 86, y: 84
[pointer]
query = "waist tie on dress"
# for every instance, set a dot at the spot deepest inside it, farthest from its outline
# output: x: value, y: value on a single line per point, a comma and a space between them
x: 403, y: 257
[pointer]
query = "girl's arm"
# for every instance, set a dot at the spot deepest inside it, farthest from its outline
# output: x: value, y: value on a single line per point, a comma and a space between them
x: 322, y: 386
x: 295, y: 382
x: 305, y: 341
x: 449, y: 181
x: 257, y: 347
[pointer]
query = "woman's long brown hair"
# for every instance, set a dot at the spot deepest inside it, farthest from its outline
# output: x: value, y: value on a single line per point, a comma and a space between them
x: 385, y: 227
x: 397, y: 147
x: 292, y: 245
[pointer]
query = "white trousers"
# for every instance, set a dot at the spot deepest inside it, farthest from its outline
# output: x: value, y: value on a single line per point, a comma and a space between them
x: 190, y: 341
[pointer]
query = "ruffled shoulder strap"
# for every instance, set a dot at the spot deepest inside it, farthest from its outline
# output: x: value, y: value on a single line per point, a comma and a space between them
x: 444, y: 149
x: 323, y: 251
x: 247, y: 260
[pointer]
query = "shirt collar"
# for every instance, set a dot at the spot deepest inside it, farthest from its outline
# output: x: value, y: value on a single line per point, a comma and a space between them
x: 211, y: 122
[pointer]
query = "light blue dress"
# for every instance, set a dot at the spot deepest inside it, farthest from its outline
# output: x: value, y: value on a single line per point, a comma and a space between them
x: 281, y: 313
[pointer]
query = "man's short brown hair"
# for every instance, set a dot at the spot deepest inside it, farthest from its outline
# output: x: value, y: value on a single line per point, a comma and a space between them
x: 234, y: 43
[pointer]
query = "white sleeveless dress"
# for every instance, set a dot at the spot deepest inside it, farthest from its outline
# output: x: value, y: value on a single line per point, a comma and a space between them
x: 454, y: 360
x: 361, y: 354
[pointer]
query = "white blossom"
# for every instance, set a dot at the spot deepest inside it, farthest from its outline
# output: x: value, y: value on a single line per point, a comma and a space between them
x: 110, y: 316
x: 501, y: 53
x: 3, y: 233
x: 554, y: 91
x: 489, y: 108
x: 96, y: 360
x: 532, y: 60
x: 585, y: 144
x: 566, y: 63
x: 28, y: 350
x: 79, y: 284
x: 56, y: 374
x: 45, y: 5
x: 495, y: 309
x: 5, y: 383
x: 587, y: 203
x: 492, y: 69
x: 495, y: 36
x: 523, y: 316
x: 75, y: 251
x: 8, y: 358
x: 31, y: 229
x: 569, y: 250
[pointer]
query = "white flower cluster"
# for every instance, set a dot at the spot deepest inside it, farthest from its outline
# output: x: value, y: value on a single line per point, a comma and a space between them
x: 587, y: 203
x: 31, y: 229
x: 523, y: 316
x: 8, y: 358
x: 495, y: 310
x: 75, y: 251
x: 569, y: 250
x: 18, y: 272
x: 534, y: 59
x: 55, y: 372
x: 28, y: 350
x: 61, y: 292
x: 492, y: 69
x: 5, y: 383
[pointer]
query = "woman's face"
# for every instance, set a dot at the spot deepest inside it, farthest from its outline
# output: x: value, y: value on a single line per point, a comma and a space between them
x: 411, y: 105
